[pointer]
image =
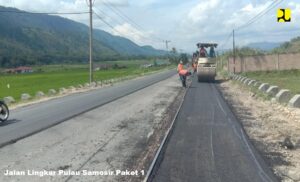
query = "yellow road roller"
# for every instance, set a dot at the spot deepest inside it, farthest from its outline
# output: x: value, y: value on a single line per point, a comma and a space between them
x: 206, y: 61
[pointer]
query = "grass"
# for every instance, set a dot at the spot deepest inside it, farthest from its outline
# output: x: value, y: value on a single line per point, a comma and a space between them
x: 288, y: 79
x: 57, y: 76
x: 223, y: 74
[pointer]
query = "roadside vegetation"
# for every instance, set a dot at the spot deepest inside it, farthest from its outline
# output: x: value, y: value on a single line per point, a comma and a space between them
x: 222, y: 59
x: 287, y: 79
x: 292, y: 46
x: 56, y: 76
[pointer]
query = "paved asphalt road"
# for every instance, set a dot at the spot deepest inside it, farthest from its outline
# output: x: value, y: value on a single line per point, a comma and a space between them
x: 31, y: 119
x: 208, y: 144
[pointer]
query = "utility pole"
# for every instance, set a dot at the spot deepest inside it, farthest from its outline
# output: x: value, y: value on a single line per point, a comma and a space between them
x: 91, y: 41
x: 167, y: 42
x: 233, y: 46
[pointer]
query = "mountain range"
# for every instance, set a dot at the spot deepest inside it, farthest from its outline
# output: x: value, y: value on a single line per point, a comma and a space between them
x: 264, y: 46
x: 28, y: 38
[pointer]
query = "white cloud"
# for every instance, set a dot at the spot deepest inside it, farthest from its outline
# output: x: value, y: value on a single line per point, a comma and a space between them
x: 128, y: 31
x: 145, y: 3
x: 214, y: 20
x: 295, y: 8
x: 119, y: 3
x: 202, y: 10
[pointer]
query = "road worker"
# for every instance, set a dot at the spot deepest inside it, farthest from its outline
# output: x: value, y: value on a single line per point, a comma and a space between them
x: 203, y: 52
x: 194, y: 65
x: 180, y: 66
x: 183, y: 73
x: 212, y: 53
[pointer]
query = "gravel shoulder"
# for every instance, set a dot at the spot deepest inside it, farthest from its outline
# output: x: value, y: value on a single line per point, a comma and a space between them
x: 273, y: 129
x: 116, y: 136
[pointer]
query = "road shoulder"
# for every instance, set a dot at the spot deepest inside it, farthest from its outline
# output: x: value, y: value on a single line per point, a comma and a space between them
x: 269, y: 126
x: 112, y: 137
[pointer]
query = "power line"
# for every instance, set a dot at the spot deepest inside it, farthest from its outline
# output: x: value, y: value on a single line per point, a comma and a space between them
x: 104, y: 14
x: 48, y: 13
x: 102, y: 19
x: 127, y: 19
x: 260, y: 14
x: 254, y: 19
x: 88, y: 4
x: 121, y: 14
x: 105, y: 22
x: 108, y: 24
x: 257, y: 15
x: 120, y: 33
x: 224, y: 43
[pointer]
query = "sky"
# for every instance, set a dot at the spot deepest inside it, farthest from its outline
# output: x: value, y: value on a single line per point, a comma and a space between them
x: 184, y: 23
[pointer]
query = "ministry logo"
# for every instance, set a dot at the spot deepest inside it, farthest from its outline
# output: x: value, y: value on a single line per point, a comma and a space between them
x: 283, y: 15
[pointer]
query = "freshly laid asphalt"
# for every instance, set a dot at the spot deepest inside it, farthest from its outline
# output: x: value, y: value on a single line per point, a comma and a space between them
x: 28, y: 120
x: 208, y: 144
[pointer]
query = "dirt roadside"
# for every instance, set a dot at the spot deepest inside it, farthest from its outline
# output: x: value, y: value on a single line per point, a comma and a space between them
x: 116, y: 136
x: 272, y: 128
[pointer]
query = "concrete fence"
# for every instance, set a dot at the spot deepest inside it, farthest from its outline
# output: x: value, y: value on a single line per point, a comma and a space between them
x: 264, y: 63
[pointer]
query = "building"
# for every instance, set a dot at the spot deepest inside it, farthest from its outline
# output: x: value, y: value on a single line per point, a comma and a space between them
x: 21, y: 69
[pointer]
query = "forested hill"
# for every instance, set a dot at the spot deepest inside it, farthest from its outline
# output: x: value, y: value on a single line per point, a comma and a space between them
x: 27, y: 39
x: 292, y: 46
x: 264, y: 46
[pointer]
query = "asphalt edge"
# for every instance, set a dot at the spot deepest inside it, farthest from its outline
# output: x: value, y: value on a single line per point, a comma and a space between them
x: 149, y: 176
x: 258, y: 156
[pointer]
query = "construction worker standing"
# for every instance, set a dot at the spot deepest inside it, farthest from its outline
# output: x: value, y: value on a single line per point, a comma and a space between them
x: 203, y: 52
x: 212, y: 53
x: 180, y: 66
x: 183, y: 73
x: 194, y: 65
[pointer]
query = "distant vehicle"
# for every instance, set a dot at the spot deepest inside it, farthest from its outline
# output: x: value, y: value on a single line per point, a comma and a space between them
x: 4, y: 112
x: 206, y: 62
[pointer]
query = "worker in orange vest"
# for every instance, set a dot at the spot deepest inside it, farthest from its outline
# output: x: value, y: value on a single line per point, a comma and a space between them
x: 180, y: 66
x: 183, y: 73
